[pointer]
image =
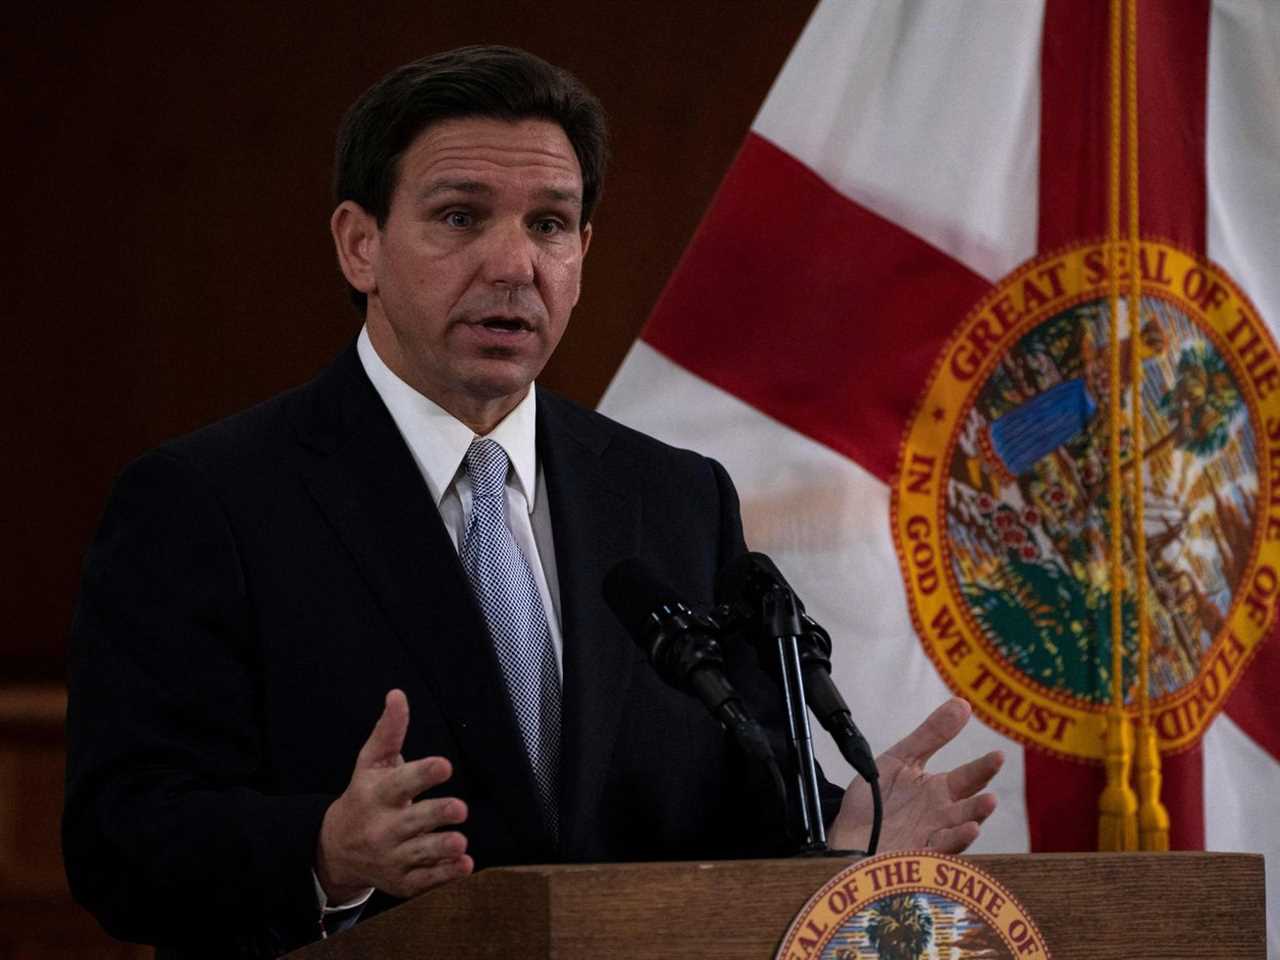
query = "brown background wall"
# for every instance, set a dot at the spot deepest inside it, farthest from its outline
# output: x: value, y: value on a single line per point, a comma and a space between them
x: 169, y: 262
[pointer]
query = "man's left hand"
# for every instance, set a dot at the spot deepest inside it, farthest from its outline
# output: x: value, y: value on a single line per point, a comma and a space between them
x: 922, y: 811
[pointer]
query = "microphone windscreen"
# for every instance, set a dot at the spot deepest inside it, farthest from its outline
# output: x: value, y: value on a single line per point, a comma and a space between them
x: 743, y: 581
x: 633, y: 591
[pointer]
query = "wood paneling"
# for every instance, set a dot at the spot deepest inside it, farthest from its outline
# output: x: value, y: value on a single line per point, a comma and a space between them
x: 38, y: 920
x: 171, y: 262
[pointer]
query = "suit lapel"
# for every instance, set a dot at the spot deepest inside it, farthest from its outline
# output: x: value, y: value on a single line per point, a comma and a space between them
x: 595, y: 524
x: 364, y: 480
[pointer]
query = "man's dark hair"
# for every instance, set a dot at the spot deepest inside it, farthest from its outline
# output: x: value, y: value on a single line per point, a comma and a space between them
x: 490, y: 81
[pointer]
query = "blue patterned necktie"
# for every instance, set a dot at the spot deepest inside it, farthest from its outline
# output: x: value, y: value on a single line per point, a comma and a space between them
x: 508, y: 596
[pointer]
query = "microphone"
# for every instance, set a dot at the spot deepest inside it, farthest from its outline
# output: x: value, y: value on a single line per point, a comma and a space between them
x: 683, y: 647
x: 747, y: 588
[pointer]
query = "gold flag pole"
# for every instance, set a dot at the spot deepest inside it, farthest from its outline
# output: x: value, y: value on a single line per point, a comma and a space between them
x: 1118, y: 805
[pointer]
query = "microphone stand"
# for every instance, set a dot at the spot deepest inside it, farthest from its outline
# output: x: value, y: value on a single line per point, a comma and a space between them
x: 783, y: 625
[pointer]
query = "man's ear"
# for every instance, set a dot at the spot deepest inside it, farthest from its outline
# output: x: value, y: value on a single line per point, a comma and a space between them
x: 357, y: 241
x: 584, y: 235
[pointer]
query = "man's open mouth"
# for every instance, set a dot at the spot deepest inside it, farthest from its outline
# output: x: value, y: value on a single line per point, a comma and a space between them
x: 506, y: 324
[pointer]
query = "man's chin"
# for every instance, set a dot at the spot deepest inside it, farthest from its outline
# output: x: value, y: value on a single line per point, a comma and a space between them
x: 498, y: 380
x: 504, y: 371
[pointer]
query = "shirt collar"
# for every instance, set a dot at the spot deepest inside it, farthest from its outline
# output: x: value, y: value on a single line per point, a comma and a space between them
x: 438, y: 440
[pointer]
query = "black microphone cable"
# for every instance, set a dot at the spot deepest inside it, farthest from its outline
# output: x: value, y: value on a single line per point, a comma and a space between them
x: 836, y: 718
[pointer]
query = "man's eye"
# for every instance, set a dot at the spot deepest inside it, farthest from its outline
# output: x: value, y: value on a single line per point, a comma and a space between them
x: 458, y: 218
x: 548, y: 227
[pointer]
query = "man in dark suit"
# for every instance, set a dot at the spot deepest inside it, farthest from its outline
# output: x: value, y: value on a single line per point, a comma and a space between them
x: 264, y: 592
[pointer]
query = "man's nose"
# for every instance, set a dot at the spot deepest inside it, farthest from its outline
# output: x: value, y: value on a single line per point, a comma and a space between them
x: 509, y: 255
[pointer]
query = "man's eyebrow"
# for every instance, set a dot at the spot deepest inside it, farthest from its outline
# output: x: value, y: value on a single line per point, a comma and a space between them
x: 455, y: 186
x: 477, y: 188
x: 560, y: 196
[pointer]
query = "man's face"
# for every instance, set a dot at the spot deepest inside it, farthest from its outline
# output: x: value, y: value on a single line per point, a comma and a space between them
x: 478, y: 265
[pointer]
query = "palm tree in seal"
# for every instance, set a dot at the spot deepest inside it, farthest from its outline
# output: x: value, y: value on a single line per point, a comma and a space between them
x: 900, y: 927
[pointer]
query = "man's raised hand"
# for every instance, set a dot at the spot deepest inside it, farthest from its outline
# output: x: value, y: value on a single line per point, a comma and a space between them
x: 922, y: 811
x: 375, y: 835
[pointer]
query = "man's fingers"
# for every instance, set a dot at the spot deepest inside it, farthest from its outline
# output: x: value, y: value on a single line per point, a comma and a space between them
x: 421, y: 879
x: 427, y: 815
x: 968, y: 778
x: 382, y: 749
x: 954, y: 839
x: 406, y: 781
x: 973, y: 810
x: 938, y: 729
x: 426, y: 849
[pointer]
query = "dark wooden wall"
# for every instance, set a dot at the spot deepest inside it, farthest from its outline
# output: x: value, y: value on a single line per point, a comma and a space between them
x: 169, y: 263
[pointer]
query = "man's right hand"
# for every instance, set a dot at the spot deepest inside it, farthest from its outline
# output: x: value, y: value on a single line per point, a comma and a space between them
x: 375, y: 835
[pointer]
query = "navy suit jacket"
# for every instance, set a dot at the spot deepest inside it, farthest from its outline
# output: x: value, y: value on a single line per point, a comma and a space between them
x: 257, y: 587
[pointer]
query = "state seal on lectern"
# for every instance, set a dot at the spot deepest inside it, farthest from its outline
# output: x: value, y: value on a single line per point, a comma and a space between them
x: 912, y: 906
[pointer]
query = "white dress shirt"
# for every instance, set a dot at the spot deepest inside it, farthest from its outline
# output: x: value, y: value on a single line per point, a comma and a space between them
x: 438, y: 442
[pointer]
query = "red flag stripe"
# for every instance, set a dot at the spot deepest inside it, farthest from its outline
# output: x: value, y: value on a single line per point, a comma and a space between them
x: 1172, y: 85
x: 1073, y: 123
x: 1252, y: 705
x: 1062, y: 800
x: 1173, y: 58
x: 783, y: 278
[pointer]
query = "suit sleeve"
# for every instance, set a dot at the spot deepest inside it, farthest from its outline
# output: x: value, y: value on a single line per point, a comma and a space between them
x: 732, y: 542
x: 167, y: 829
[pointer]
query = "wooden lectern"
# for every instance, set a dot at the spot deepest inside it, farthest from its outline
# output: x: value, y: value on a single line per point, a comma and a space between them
x: 1088, y: 906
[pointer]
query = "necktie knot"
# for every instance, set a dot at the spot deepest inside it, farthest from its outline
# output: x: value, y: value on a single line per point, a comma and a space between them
x: 487, y: 468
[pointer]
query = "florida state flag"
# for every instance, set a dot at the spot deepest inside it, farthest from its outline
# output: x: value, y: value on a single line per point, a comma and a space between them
x: 896, y: 327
